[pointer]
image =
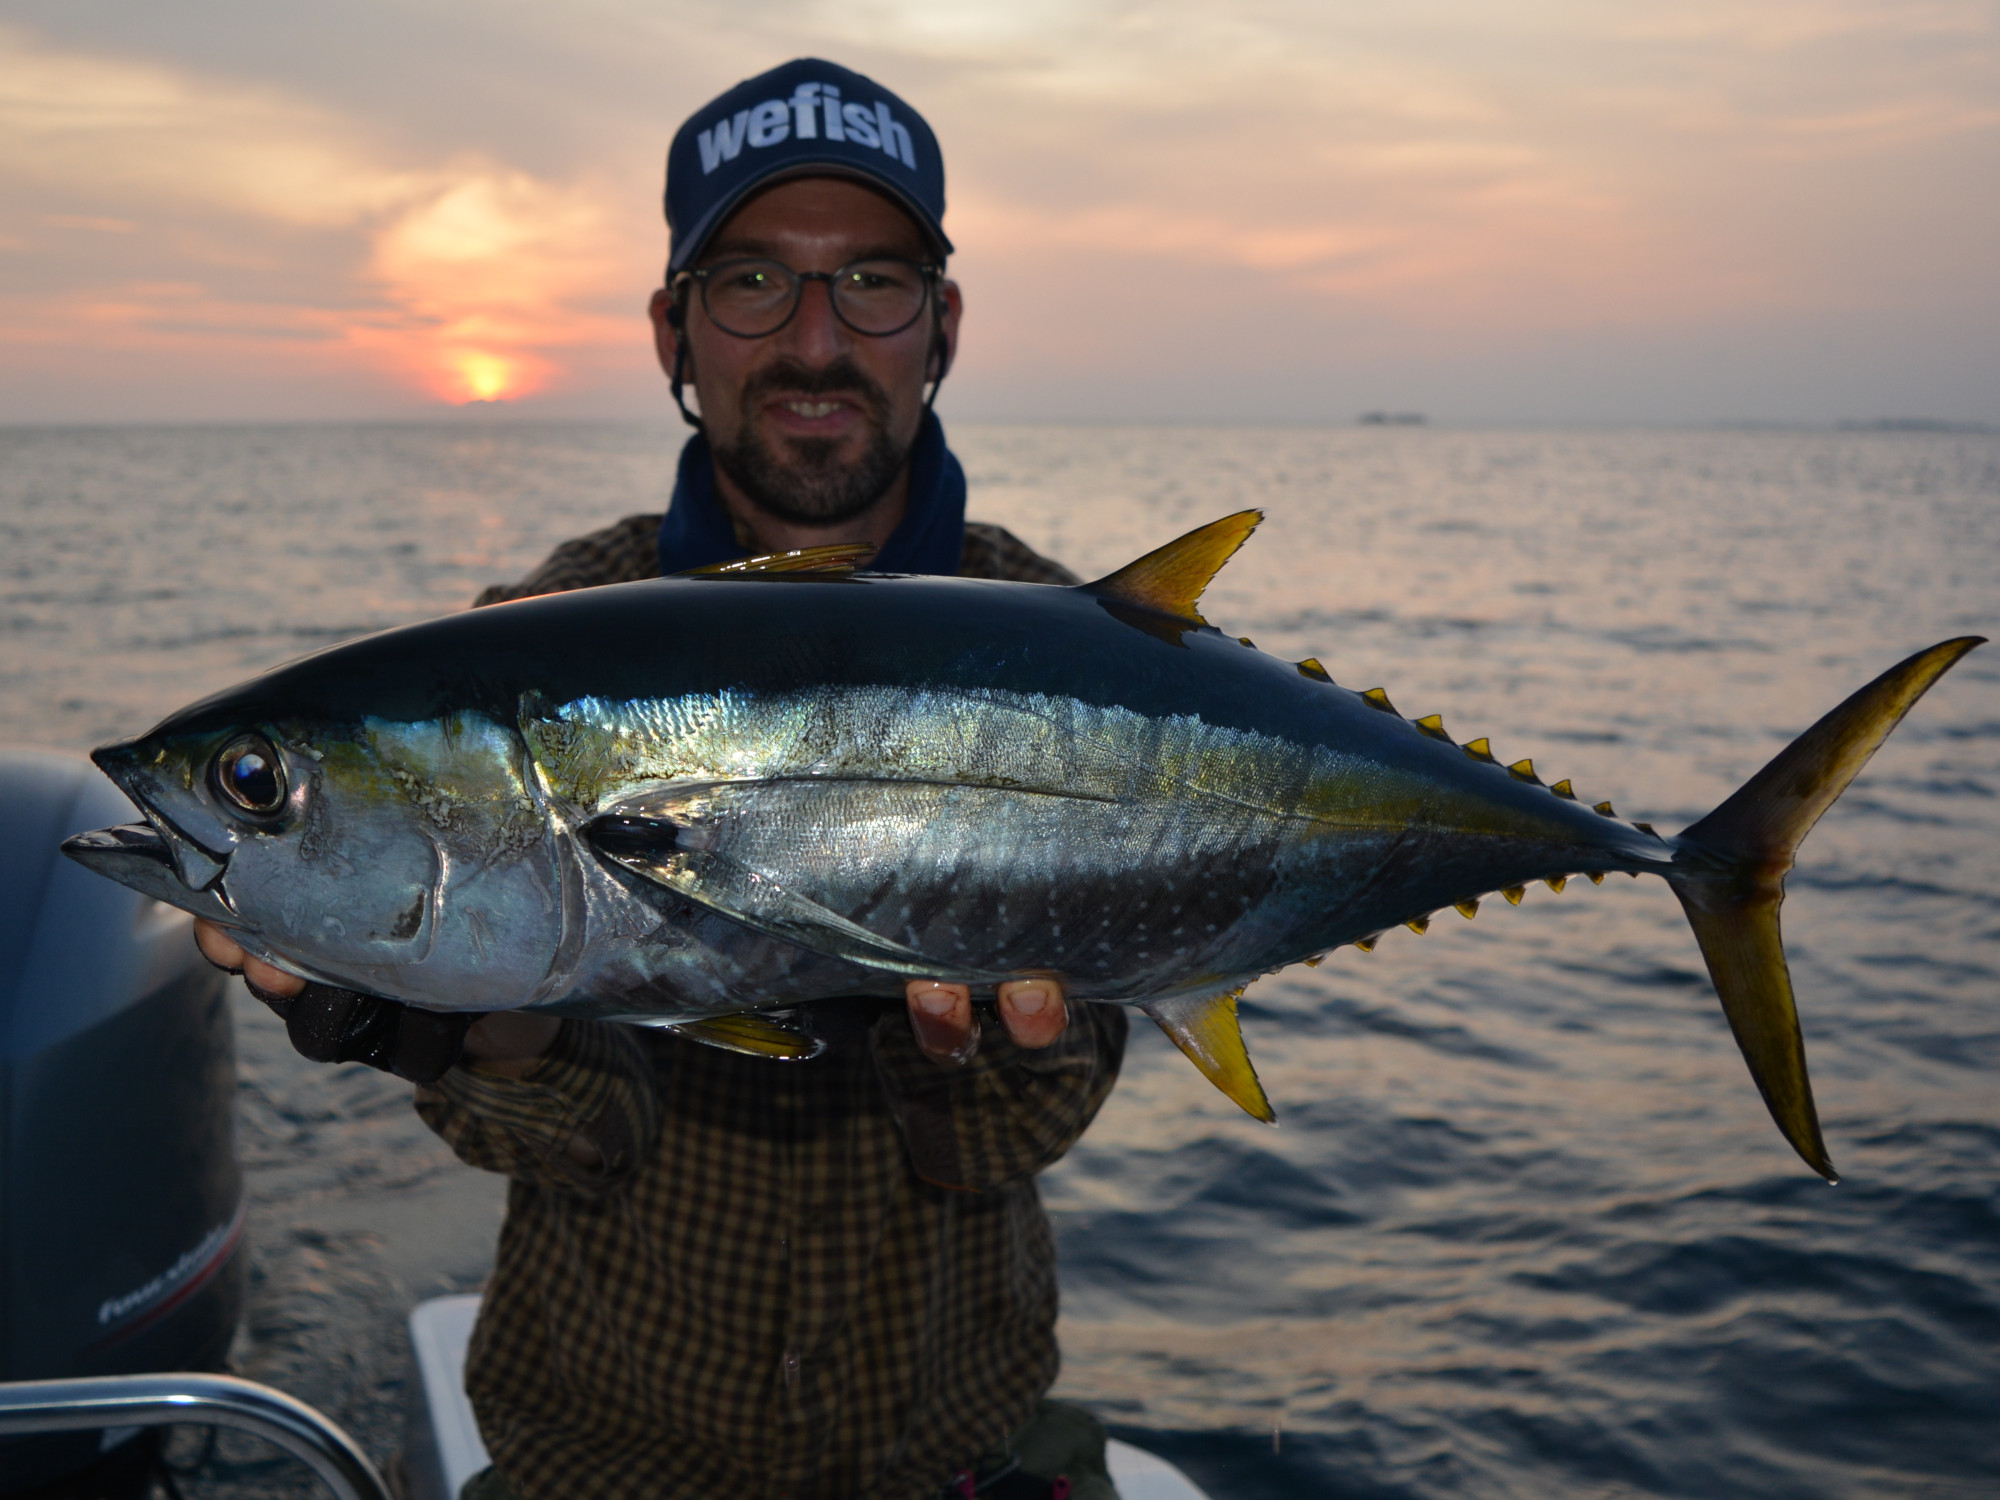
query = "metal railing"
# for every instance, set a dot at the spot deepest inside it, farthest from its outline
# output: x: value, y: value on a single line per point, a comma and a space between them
x: 36, y: 1406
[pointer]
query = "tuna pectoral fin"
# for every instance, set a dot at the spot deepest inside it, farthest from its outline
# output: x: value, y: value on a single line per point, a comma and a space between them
x: 1730, y: 877
x: 760, y: 902
x: 1206, y: 1029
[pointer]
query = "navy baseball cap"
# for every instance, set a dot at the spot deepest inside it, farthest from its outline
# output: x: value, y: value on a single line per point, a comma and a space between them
x: 802, y: 119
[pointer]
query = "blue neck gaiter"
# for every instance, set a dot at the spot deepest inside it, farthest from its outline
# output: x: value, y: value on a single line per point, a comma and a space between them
x: 696, y: 533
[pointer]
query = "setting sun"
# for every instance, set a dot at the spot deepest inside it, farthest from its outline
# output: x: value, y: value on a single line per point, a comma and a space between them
x: 482, y: 376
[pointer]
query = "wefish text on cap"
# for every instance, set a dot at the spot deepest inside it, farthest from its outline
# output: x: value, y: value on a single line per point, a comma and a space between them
x: 805, y: 115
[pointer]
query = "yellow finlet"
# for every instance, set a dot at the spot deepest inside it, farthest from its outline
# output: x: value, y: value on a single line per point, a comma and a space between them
x: 1206, y: 1029
x: 1432, y: 725
x: 1480, y: 749
x: 1564, y: 790
x: 1376, y: 698
x: 838, y: 561
x: 1596, y: 877
x: 1646, y: 828
x: 1603, y: 810
x: 1514, y: 893
x: 1468, y: 908
x: 1419, y: 925
x: 1310, y: 667
x: 1315, y: 961
x: 1555, y: 882
x: 1170, y: 579
x: 1244, y: 640
x: 1524, y: 770
x: 1367, y: 944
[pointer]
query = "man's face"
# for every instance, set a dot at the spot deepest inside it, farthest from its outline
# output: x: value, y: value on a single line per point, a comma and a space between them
x: 814, y: 422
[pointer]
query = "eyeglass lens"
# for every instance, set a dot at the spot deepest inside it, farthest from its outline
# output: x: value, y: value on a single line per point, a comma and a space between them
x: 751, y: 298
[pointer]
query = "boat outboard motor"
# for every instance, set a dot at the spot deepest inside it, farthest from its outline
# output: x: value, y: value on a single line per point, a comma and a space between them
x: 121, y: 1200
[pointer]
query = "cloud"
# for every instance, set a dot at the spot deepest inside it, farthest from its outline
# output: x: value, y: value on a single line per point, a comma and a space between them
x: 463, y: 278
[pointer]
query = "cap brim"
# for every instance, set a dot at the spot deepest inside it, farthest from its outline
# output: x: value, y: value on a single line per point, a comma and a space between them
x: 704, y: 228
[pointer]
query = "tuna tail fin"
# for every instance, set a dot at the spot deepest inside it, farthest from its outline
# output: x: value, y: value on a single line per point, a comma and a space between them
x: 1730, y: 878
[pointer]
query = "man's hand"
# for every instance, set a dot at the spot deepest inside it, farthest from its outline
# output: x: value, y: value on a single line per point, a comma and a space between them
x: 328, y: 1024
x: 1033, y: 1011
x: 222, y: 950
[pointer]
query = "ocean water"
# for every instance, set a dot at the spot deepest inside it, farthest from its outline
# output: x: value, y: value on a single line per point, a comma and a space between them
x: 1525, y: 1228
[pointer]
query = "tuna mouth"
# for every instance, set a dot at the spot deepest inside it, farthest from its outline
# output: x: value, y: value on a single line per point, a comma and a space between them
x: 135, y: 855
x: 199, y: 866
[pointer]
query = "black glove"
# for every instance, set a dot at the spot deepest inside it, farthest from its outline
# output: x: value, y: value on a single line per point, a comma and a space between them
x: 335, y: 1025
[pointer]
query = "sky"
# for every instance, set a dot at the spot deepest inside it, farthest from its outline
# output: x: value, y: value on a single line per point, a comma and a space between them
x: 1549, y: 211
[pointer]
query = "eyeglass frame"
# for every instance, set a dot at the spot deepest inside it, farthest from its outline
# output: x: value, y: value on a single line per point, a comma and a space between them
x: 931, y: 272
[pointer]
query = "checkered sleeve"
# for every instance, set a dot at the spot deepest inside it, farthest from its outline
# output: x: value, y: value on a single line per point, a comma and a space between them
x: 1009, y: 1112
x: 622, y: 552
x: 593, y: 1082
x: 994, y: 552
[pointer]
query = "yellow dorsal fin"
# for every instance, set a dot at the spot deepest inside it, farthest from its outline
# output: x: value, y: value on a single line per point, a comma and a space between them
x: 748, y: 1032
x: 1170, y: 579
x: 1206, y: 1029
x: 1514, y: 893
x: 839, y: 560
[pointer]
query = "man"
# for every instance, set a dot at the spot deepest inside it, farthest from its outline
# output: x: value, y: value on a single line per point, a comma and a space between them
x: 722, y: 1275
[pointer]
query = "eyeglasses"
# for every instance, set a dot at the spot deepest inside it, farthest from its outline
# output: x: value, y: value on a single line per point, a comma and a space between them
x: 752, y: 298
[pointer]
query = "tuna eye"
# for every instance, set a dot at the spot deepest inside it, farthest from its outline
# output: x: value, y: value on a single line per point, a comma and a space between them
x: 248, y: 773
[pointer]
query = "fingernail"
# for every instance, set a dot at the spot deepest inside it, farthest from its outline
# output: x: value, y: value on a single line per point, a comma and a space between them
x: 936, y: 1002
x: 1031, y: 1001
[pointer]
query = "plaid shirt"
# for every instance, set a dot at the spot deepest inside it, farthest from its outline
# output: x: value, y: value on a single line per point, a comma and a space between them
x: 824, y: 1279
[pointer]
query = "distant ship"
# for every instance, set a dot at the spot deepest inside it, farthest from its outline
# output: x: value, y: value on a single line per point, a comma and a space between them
x: 1392, y: 419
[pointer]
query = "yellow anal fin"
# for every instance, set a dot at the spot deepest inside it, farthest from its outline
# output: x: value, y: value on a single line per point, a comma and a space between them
x: 759, y: 1036
x: 1170, y: 579
x: 1206, y: 1029
x: 837, y: 561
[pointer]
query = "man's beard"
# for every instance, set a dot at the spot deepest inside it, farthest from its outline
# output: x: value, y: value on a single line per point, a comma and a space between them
x: 807, y: 485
